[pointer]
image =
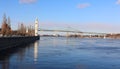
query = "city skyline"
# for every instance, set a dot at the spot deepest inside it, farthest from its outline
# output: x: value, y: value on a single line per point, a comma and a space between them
x: 84, y: 15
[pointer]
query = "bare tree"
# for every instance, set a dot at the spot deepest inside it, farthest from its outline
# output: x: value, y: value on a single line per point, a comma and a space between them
x: 8, y: 29
x: 9, y: 22
x: 4, y: 25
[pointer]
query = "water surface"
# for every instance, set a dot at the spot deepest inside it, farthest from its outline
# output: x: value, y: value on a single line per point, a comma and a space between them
x: 64, y: 53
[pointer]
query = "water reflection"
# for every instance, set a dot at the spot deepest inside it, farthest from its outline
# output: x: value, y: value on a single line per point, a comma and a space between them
x: 5, y: 57
x: 21, y: 54
x: 17, y: 53
x: 36, y: 51
x: 5, y: 64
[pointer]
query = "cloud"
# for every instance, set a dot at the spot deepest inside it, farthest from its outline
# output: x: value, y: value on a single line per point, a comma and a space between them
x: 84, y: 5
x: 27, y: 1
x: 118, y: 2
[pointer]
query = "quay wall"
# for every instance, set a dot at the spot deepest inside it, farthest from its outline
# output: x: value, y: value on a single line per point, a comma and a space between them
x: 9, y: 42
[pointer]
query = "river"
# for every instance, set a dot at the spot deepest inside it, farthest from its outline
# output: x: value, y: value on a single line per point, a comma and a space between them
x: 64, y: 53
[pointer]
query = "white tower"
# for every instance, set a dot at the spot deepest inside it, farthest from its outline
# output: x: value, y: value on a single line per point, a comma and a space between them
x: 36, y: 27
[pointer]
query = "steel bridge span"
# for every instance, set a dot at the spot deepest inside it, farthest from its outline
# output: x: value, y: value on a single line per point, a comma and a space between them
x: 70, y: 31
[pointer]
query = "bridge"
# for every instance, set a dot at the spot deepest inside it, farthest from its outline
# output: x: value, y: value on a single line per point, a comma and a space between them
x: 68, y: 31
x: 53, y: 30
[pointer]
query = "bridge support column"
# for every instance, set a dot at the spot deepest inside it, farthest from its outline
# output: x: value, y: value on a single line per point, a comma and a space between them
x: 104, y: 37
x: 99, y: 36
x: 90, y: 36
x: 67, y: 35
x: 55, y: 34
x: 81, y: 35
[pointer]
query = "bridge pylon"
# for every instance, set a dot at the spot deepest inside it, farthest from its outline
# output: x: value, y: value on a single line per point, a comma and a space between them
x: 67, y: 34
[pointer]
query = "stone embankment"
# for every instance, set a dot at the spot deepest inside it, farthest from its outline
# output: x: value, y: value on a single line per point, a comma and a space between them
x: 9, y: 42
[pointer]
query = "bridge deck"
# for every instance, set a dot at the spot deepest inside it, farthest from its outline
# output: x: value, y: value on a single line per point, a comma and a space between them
x: 72, y: 31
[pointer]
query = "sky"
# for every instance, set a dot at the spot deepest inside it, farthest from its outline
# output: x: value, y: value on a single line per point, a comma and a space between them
x: 83, y: 15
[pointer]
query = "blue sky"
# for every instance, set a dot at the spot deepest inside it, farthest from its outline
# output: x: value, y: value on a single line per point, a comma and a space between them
x: 85, y: 15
